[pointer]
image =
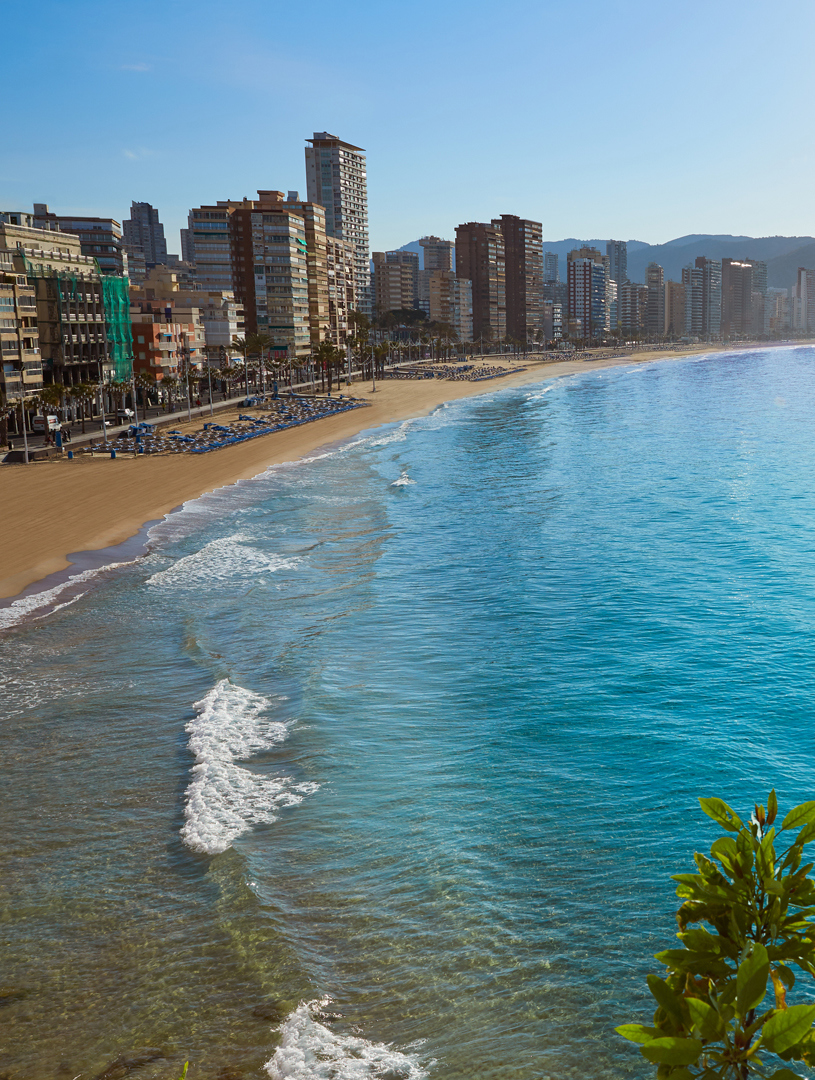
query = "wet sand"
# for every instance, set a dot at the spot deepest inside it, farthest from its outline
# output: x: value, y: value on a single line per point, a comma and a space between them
x: 53, y: 508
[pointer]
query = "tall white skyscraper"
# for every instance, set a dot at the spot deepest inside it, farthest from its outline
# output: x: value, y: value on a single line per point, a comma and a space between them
x: 337, y: 179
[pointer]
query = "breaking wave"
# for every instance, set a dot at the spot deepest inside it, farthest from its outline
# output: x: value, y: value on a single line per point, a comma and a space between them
x: 224, y: 799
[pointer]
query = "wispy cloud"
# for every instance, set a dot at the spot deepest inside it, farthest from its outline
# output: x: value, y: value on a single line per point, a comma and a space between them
x: 134, y: 67
x: 139, y: 154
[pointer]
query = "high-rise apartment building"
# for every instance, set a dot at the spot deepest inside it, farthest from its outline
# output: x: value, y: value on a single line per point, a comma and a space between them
x: 586, y: 281
x: 803, y: 301
x: 737, y: 298
x: 551, y: 269
x: 101, y: 238
x: 711, y: 296
x: 692, y: 286
x: 337, y: 179
x: 205, y: 244
x: 523, y: 255
x: 144, y: 232
x: 280, y: 270
x: 655, y: 305
x: 617, y: 252
x: 703, y: 298
x: 395, y: 281
x: 480, y: 259
x: 450, y: 301
x: 674, y: 309
x: 633, y: 304
x: 438, y: 253
x: 342, y: 297
x: 552, y: 320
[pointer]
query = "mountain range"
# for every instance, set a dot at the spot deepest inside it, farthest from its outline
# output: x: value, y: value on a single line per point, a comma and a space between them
x: 783, y: 254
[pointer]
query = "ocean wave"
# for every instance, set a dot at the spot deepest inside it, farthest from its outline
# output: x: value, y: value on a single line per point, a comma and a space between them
x: 27, y: 606
x: 404, y: 480
x: 224, y: 560
x: 223, y: 799
x: 311, y: 1051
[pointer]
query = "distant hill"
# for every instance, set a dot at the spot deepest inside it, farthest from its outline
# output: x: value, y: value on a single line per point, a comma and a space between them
x: 783, y: 254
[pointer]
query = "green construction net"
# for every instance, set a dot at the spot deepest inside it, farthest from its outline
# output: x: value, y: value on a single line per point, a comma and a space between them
x: 116, y: 300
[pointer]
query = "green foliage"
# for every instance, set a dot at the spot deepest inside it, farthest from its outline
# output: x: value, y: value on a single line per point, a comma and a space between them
x: 747, y: 918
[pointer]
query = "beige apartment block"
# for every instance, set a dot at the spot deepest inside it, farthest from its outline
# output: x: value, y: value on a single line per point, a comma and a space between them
x: 342, y: 297
x: 280, y: 270
x: 70, y: 304
x: 21, y: 363
x: 220, y: 314
x: 450, y: 300
x: 395, y: 281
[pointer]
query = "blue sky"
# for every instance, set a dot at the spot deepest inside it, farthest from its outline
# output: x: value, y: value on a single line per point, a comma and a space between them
x: 627, y: 118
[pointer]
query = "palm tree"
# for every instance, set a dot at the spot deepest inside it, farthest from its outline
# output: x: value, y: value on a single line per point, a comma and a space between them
x: 82, y: 393
x: 251, y: 345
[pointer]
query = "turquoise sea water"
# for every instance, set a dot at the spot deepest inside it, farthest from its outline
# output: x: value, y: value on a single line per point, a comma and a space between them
x: 378, y: 765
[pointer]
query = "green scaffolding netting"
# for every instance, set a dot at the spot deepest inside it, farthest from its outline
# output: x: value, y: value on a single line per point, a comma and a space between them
x: 116, y: 300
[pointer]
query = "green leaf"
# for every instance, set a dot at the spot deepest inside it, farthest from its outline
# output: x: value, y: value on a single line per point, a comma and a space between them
x: 705, y: 1019
x: 665, y: 997
x: 772, y: 807
x: 637, y: 1033
x: 785, y: 1029
x: 672, y: 1051
x: 722, y: 814
x: 751, y: 980
x: 785, y: 1074
x: 800, y: 815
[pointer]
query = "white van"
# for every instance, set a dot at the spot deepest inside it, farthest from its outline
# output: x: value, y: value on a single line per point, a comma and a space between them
x: 41, y: 424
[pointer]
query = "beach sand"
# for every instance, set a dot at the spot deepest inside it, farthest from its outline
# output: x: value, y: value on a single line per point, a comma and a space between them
x: 53, y: 508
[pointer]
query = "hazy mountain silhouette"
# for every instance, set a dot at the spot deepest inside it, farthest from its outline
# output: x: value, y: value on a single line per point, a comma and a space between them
x: 783, y: 254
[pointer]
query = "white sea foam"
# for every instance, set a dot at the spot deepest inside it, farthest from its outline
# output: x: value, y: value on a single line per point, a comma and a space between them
x: 46, y: 602
x: 224, y: 799
x: 311, y: 1051
x: 403, y: 481
x: 226, y: 560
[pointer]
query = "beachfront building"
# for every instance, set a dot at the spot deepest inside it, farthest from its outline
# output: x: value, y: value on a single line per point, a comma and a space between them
x: 523, y: 255
x: 100, y: 238
x: 586, y: 282
x: 737, y: 298
x: 220, y: 315
x: 437, y: 254
x: 337, y: 179
x: 711, y: 296
x: 395, y: 281
x: 82, y: 314
x: 655, y: 304
x: 633, y: 306
x: 205, y: 245
x: 143, y: 232
x: 674, y: 309
x: 617, y: 252
x: 280, y: 270
x: 552, y: 321
x: 551, y: 268
x: 450, y: 301
x: 480, y: 260
x: 20, y: 360
x: 168, y: 340
x: 777, y: 312
x: 803, y: 301
x: 342, y: 297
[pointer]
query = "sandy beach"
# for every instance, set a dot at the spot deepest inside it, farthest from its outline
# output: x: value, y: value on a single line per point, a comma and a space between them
x: 54, y: 508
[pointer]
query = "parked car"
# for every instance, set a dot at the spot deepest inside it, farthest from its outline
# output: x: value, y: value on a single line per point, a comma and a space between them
x: 124, y: 416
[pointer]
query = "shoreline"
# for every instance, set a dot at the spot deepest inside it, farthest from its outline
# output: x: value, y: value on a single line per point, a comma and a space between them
x: 62, y: 519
